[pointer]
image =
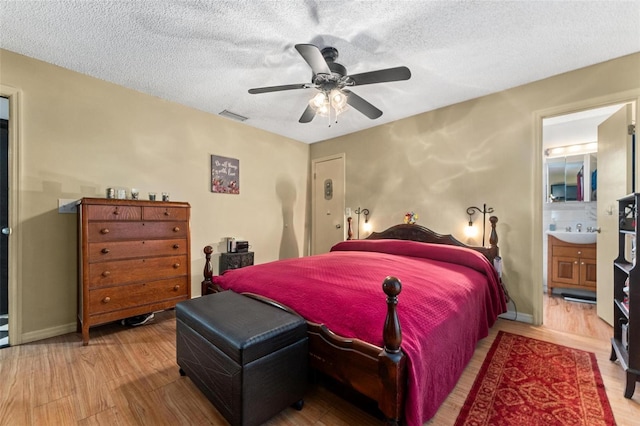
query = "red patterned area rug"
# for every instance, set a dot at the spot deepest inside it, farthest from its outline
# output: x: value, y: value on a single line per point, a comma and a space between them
x: 529, y: 382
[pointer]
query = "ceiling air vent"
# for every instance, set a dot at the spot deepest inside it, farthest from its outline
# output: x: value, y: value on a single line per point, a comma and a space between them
x: 232, y: 115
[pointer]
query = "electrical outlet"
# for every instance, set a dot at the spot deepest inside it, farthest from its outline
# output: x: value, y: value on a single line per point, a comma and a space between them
x: 67, y: 205
x: 347, y: 211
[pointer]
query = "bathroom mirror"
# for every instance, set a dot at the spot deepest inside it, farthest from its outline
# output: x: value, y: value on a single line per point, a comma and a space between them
x: 572, y: 178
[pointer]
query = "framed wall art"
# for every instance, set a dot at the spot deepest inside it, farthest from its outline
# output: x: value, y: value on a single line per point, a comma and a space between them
x: 225, y: 175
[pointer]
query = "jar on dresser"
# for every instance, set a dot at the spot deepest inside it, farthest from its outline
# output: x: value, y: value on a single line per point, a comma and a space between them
x: 133, y: 258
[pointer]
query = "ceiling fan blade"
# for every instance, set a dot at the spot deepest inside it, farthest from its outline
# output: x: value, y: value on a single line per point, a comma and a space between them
x: 278, y: 88
x: 307, y: 115
x: 314, y: 58
x: 361, y: 105
x: 381, y: 76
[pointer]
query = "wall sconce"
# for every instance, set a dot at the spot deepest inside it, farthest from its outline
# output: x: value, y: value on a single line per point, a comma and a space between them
x: 470, y: 211
x: 367, y: 225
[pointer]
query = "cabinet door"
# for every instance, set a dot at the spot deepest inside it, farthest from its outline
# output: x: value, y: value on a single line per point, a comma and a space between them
x: 565, y: 270
x: 588, y: 272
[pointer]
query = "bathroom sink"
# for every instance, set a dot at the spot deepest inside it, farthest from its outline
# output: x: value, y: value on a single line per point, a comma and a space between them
x: 574, y: 237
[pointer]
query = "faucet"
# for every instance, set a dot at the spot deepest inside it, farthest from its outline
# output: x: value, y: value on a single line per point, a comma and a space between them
x: 567, y: 228
x: 579, y: 227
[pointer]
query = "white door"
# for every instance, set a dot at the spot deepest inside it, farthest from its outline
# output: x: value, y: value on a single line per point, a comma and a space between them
x: 328, y: 203
x: 613, y: 182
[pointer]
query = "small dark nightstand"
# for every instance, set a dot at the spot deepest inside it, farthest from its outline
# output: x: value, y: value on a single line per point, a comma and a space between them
x: 235, y: 261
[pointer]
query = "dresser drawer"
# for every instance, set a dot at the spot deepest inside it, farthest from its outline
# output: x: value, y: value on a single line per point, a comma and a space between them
x: 114, y: 212
x: 164, y: 213
x: 122, y: 231
x: 586, y: 253
x: 103, y: 274
x: 122, y: 297
x: 106, y: 251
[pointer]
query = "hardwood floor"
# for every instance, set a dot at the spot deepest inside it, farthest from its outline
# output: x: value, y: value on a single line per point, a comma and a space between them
x: 574, y: 317
x: 129, y: 376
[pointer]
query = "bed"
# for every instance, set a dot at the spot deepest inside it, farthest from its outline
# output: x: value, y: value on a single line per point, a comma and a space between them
x: 406, y: 351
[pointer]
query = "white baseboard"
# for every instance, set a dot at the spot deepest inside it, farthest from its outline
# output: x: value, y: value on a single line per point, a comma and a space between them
x: 517, y: 316
x: 48, y: 332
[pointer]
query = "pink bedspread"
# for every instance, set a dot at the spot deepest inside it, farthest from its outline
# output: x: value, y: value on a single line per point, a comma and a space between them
x: 450, y: 298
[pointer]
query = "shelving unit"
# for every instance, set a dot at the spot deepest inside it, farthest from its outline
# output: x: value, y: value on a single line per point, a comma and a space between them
x: 625, y: 344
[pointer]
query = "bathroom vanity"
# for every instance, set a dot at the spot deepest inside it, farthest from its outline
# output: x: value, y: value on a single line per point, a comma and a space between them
x: 571, y: 265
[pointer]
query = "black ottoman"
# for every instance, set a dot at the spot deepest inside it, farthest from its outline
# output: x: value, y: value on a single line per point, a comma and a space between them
x: 248, y: 357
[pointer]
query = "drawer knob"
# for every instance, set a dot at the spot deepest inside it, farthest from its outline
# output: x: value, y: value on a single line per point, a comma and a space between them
x: 116, y: 212
x: 106, y: 274
x: 176, y: 229
x: 176, y: 265
x: 106, y: 300
x: 105, y: 250
x: 104, y: 231
x: 579, y: 252
x: 176, y: 246
x: 177, y: 287
x: 166, y: 213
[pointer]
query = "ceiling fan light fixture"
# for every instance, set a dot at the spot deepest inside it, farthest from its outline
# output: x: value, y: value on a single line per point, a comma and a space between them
x: 338, y: 99
x: 324, y: 102
x: 324, y: 110
x: 319, y: 101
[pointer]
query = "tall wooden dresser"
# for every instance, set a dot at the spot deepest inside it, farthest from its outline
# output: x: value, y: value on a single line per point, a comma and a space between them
x: 133, y: 258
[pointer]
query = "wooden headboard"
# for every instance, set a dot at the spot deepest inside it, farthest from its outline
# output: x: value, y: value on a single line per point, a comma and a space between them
x: 426, y: 235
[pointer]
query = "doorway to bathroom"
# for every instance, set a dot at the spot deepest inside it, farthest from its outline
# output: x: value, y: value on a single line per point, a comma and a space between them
x: 571, y: 219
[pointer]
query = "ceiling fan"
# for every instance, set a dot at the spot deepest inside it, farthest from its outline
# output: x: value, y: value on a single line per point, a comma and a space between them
x: 332, y: 82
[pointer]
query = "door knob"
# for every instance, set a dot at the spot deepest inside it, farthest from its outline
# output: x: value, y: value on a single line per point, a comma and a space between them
x: 338, y: 226
x: 6, y: 231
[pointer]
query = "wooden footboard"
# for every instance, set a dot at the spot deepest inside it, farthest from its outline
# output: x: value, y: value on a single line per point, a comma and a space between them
x: 378, y: 373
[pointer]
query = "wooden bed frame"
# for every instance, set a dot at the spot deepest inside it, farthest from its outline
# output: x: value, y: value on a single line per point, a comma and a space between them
x: 378, y: 373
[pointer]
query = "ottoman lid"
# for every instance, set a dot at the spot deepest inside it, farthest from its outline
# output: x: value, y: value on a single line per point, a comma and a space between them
x: 244, y: 328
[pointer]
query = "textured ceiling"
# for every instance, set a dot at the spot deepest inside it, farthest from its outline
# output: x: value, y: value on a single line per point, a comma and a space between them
x: 207, y: 54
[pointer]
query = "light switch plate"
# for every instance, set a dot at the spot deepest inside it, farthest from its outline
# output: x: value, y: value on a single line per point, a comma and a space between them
x: 67, y: 205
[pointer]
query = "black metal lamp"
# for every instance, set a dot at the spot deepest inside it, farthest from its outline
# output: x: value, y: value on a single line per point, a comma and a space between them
x: 471, y: 211
x: 365, y: 212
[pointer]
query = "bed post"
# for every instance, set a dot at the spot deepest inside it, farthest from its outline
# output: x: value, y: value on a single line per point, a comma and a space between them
x: 392, y: 360
x: 349, y: 230
x: 207, y: 284
x: 493, y: 238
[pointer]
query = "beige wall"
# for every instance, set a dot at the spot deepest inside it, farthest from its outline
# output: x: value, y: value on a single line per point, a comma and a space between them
x: 486, y: 150
x: 80, y: 135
